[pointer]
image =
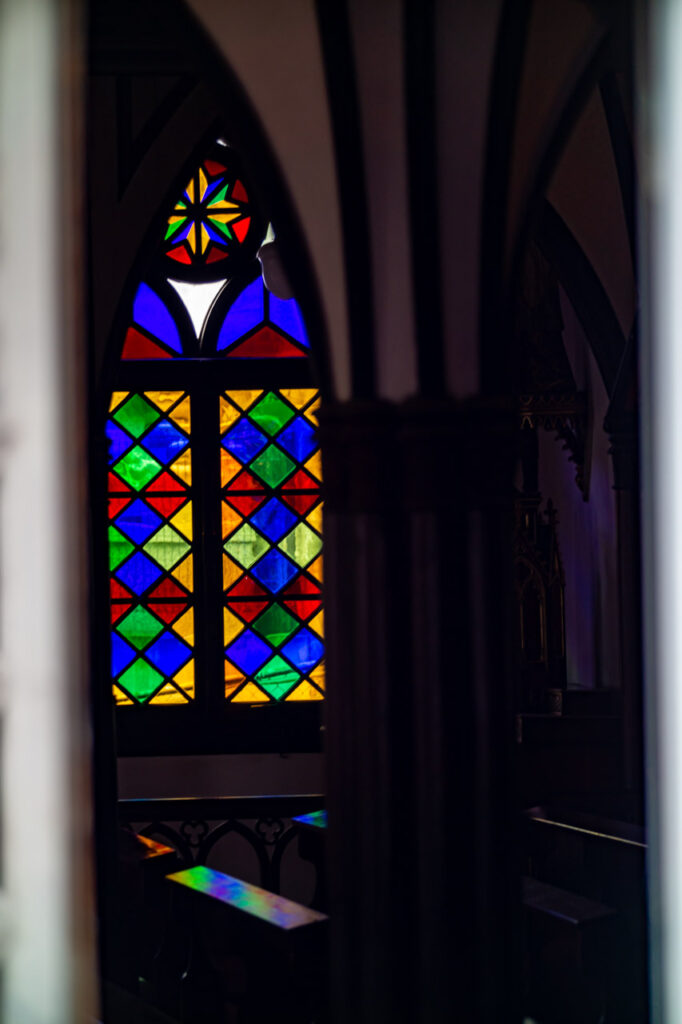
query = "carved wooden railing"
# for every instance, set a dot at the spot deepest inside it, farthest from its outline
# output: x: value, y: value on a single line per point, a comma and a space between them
x: 194, y: 825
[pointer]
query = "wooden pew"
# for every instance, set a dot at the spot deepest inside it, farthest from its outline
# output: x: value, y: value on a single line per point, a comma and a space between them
x: 254, y: 954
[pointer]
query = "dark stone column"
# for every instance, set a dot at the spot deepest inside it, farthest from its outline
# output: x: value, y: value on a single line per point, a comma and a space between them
x: 418, y: 527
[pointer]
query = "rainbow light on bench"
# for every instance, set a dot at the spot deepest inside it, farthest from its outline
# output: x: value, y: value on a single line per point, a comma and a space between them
x: 266, y: 906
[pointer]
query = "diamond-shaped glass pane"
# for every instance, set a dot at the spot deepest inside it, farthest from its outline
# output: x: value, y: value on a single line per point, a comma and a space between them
x: 165, y: 442
x: 167, y: 547
x: 138, y: 520
x: 119, y: 441
x: 140, y: 680
x: 137, y: 467
x: 271, y: 413
x: 274, y: 519
x: 138, y: 573
x: 139, y: 627
x: 298, y: 439
x: 304, y: 650
x: 136, y: 415
x: 244, y: 441
x: 168, y: 653
x: 119, y: 547
x: 246, y: 546
x: 276, y: 625
x: 277, y: 676
x: 272, y: 466
x: 248, y: 652
x: 274, y: 571
x: 301, y: 545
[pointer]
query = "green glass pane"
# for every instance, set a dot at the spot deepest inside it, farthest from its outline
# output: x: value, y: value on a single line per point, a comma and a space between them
x: 272, y: 466
x: 140, y: 680
x: 277, y: 677
x: 137, y: 467
x: 246, y: 546
x: 220, y: 197
x: 166, y: 547
x: 175, y: 226
x: 119, y: 548
x: 139, y: 627
x: 301, y: 545
x: 136, y: 415
x: 224, y: 228
x: 276, y: 625
x: 271, y: 413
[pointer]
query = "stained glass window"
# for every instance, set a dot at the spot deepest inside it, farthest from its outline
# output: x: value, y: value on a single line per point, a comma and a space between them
x: 215, y: 508
x: 151, y: 547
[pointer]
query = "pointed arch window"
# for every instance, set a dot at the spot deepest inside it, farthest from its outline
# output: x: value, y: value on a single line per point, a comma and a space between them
x: 215, y: 509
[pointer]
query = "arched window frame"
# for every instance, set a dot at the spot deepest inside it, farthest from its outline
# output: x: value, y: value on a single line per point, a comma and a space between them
x: 209, y: 723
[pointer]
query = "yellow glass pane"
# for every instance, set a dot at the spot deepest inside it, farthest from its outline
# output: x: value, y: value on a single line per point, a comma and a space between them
x: 174, y: 220
x: 229, y: 467
x: 298, y: 396
x: 184, y: 626
x: 168, y: 695
x: 304, y: 691
x: 185, y: 678
x: 318, y: 623
x: 229, y: 690
x: 202, y: 184
x: 184, y: 573
x: 232, y: 626
x: 190, y: 191
x: 243, y: 398
x: 314, y: 465
x: 163, y: 399
x: 318, y: 676
x: 204, y: 239
x: 315, y: 568
x: 315, y: 518
x: 116, y: 400
x: 120, y: 697
x: 231, y: 572
x: 231, y: 519
x: 225, y: 218
x: 180, y: 414
x: 228, y: 414
x: 182, y: 520
x: 182, y: 466
x: 234, y: 676
x: 251, y: 694
x: 311, y: 412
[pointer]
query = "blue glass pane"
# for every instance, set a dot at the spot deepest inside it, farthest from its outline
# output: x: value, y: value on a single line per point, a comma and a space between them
x: 121, y: 654
x: 185, y: 232
x: 303, y: 650
x: 119, y: 442
x: 248, y: 652
x: 138, y: 573
x: 165, y: 442
x: 298, y: 439
x: 274, y: 571
x: 285, y: 313
x: 212, y: 233
x: 244, y: 441
x: 245, y: 313
x: 168, y: 653
x: 210, y: 189
x: 274, y: 519
x: 138, y: 520
x: 152, y: 314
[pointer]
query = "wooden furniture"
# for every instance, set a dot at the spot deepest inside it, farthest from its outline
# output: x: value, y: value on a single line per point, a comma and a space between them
x: 312, y: 829
x: 253, y: 953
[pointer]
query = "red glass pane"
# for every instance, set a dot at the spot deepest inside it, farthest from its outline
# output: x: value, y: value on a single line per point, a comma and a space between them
x: 180, y: 254
x: 241, y: 228
x: 245, y: 503
x: 300, y: 502
x: 246, y: 587
x: 248, y: 610
x: 245, y: 481
x: 266, y: 343
x: 115, y: 484
x: 168, y: 589
x: 166, y: 505
x: 215, y: 254
x: 301, y: 481
x: 118, y: 590
x: 239, y: 193
x: 139, y: 346
x: 169, y: 611
x: 117, y: 610
x: 166, y: 482
x: 302, y: 585
x: 117, y: 505
x: 213, y: 167
x: 303, y: 607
